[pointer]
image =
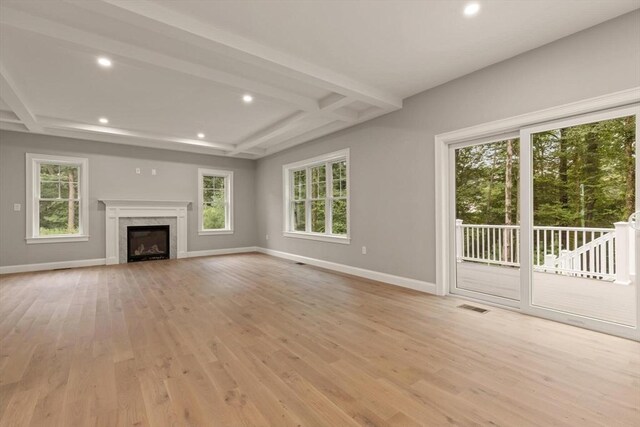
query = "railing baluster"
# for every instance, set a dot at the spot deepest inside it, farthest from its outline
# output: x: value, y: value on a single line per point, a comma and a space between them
x: 517, y: 246
x: 579, y: 252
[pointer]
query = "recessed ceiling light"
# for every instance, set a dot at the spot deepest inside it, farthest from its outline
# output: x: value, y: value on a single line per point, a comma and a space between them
x: 247, y: 98
x: 104, y: 62
x: 201, y: 135
x: 471, y: 9
x: 103, y: 120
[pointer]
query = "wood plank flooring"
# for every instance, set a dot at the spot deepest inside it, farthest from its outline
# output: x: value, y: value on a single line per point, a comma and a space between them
x: 251, y: 340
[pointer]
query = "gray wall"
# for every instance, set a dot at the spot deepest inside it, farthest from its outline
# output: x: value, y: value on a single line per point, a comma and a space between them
x: 392, y: 157
x: 112, y: 175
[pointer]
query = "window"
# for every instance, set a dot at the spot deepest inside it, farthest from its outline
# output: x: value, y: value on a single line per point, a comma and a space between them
x: 215, y: 204
x: 57, y: 199
x: 316, y: 198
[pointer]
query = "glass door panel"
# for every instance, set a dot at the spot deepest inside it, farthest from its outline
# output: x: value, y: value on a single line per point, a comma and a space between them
x: 583, y: 177
x: 487, y: 230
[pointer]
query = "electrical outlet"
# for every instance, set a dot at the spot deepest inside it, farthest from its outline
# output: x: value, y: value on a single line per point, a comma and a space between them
x: 138, y: 171
x: 17, y: 207
x: 267, y: 237
x: 153, y: 172
x: 364, y: 250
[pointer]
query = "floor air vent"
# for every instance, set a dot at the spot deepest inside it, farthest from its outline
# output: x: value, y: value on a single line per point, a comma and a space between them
x: 473, y: 308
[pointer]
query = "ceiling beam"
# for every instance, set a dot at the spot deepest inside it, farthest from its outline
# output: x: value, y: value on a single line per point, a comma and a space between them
x: 9, y: 117
x: 117, y: 135
x: 329, y: 105
x: 269, y: 132
x: 322, y: 131
x: 96, y: 43
x: 155, y: 17
x: 17, y: 127
x: 15, y: 100
x: 138, y: 141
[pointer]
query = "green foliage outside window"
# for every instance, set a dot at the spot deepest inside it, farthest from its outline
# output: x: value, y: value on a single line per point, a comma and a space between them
x: 319, y: 199
x: 583, y: 176
x: 214, y: 203
x: 59, y: 201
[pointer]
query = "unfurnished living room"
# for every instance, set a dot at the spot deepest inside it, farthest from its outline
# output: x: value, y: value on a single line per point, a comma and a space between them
x: 319, y: 213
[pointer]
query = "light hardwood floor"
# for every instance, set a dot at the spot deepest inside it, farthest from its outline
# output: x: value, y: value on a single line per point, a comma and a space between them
x: 254, y: 340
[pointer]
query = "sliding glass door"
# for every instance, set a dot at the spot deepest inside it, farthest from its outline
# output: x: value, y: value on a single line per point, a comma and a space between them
x: 543, y: 220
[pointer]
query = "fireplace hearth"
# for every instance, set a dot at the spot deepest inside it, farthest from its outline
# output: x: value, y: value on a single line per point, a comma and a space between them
x: 148, y: 242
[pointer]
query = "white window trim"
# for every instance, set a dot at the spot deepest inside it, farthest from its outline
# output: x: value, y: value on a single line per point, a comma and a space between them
x: 33, y: 162
x: 228, y: 188
x: 287, y: 214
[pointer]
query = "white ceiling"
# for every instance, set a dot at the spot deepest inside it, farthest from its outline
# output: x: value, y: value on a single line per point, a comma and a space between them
x: 313, y: 67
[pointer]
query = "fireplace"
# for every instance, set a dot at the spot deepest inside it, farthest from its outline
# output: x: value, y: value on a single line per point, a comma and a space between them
x: 148, y: 242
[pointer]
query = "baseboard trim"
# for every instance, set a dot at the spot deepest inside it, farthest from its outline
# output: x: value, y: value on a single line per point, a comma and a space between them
x: 213, y: 252
x: 391, y: 279
x: 25, y: 268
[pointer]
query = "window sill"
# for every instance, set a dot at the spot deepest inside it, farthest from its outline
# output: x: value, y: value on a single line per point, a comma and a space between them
x: 58, y: 239
x: 345, y: 240
x: 214, y: 232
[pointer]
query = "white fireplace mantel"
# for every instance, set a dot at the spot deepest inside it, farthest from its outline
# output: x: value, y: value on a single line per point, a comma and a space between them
x: 122, y: 208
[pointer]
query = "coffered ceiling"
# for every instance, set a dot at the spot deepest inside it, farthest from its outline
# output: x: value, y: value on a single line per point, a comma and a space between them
x: 181, y: 68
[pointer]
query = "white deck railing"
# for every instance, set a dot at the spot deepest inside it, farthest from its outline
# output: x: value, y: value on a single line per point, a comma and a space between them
x: 597, y: 253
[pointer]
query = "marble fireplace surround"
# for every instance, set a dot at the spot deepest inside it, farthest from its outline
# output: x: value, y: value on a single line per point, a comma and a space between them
x: 121, y: 213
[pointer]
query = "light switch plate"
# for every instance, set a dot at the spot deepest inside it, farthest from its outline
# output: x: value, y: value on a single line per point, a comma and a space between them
x: 17, y: 207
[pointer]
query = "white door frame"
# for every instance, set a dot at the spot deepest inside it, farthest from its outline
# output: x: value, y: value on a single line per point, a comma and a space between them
x: 443, y: 190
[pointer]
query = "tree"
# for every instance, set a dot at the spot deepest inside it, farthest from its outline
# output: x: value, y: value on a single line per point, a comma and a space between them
x: 508, y: 190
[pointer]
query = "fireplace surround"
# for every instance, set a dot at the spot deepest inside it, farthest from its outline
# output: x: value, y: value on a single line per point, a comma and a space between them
x: 123, y: 213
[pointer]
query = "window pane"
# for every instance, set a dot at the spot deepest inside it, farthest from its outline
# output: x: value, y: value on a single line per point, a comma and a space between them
x: 318, y: 182
x: 68, y: 190
x: 218, y: 182
x: 299, y: 185
x: 339, y: 170
x: 207, y: 182
x: 49, y: 172
x: 213, y: 216
x: 317, y: 216
x: 69, y: 173
x: 59, y: 217
x: 339, y: 216
x: 299, y: 218
x: 50, y: 190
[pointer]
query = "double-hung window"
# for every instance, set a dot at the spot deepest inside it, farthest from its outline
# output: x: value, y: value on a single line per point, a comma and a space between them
x: 215, y: 194
x: 57, y: 199
x: 317, y: 198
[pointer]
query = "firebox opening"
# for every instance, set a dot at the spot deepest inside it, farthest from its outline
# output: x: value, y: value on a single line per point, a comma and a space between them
x: 147, y: 242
